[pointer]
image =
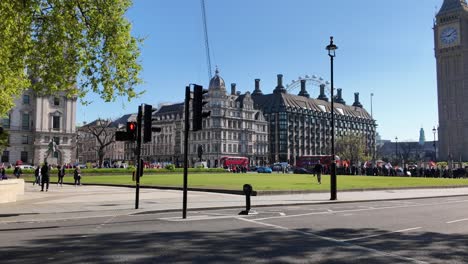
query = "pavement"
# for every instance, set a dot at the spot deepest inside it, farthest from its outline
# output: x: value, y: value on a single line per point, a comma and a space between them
x: 87, y: 201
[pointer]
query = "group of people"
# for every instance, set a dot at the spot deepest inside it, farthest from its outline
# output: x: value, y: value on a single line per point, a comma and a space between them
x: 42, y: 175
x: 239, y: 169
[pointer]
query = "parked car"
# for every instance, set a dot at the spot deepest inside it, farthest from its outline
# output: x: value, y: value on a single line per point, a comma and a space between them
x: 301, y: 171
x: 263, y: 170
x: 27, y: 167
x: 253, y: 168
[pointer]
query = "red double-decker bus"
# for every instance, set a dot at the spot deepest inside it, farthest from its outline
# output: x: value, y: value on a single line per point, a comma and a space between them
x: 229, y: 162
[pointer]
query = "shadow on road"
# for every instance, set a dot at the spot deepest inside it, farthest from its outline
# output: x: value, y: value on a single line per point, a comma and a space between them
x: 240, y: 245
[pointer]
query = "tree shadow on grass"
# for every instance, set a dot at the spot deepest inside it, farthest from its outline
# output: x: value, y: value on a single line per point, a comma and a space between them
x: 240, y: 246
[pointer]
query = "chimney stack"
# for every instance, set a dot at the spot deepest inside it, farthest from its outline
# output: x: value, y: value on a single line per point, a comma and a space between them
x: 322, y: 95
x: 339, y: 97
x: 356, y: 100
x: 233, y: 89
x: 257, y: 90
x: 303, y: 91
x: 280, y: 88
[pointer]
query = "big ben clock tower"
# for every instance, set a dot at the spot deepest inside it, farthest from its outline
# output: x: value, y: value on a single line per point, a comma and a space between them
x: 451, y: 52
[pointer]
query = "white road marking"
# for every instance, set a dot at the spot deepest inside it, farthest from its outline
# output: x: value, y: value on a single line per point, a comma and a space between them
x: 282, y: 214
x: 197, y: 218
x: 459, y: 220
x: 381, y: 253
x: 398, y: 231
x: 361, y: 210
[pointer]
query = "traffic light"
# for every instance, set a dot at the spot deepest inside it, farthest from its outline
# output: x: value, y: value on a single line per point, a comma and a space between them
x: 148, y: 123
x: 197, y: 107
x: 129, y: 135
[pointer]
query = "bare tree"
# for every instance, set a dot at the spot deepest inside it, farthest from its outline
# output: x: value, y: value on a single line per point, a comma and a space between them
x: 104, y: 134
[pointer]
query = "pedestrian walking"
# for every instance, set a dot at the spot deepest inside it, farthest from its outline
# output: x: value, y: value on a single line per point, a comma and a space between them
x: 3, y: 174
x: 318, y: 171
x: 17, y: 172
x: 77, y: 176
x: 37, y: 175
x: 45, y: 170
x: 60, y: 174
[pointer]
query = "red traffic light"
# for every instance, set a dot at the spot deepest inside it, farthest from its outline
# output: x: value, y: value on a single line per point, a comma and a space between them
x: 131, y: 126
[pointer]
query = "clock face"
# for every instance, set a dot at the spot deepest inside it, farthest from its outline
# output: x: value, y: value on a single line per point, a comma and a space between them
x: 449, y: 35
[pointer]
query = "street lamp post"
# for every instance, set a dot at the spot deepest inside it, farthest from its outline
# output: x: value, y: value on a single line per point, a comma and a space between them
x: 331, y: 53
x: 434, y: 130
x: 396, y: 149
x: 372, y: 117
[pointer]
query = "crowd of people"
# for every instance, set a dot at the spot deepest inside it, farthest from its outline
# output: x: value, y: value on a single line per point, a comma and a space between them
x: 42, y: 175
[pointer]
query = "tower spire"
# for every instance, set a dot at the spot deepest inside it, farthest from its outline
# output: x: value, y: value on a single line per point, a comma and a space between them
x: 453, y: 5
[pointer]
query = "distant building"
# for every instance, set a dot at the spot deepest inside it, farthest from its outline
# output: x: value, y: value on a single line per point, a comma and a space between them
x: 34, y: 122
x: 405, y: 152
x: 422, y: 137
x: 234, y: 128
x: 299, y: 125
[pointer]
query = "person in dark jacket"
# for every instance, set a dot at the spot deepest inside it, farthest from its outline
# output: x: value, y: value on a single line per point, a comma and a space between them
x: 318, y: 171
x: 45, y: 170
x: 60, y: 174
x: 77, y: 175
x: 17, y: 172
x: 37, y: 175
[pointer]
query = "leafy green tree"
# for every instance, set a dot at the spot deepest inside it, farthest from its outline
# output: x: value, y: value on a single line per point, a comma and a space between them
x: 4, y: 135
x: 74, y: 46
x: 352, y: 148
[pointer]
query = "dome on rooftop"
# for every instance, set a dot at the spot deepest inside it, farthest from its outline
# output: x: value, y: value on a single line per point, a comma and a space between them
x: 217, y: 82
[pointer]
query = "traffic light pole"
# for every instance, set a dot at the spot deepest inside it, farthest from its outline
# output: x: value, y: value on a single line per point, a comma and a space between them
x: 138, y: 153
x: 186, y: 132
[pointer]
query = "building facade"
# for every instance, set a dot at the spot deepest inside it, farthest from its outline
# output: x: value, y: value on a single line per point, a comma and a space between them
x: 451, y: 52
x: 300, y: 125
x: 34, y: 123
x: 234, y: 128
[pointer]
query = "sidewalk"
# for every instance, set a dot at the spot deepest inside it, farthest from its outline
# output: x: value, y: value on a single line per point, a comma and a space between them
x: 70, y: 202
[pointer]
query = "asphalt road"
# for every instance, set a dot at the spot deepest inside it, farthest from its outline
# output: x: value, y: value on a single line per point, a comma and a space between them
x: 405, y: 231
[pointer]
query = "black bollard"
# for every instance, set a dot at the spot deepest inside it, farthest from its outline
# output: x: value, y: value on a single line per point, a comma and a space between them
x: 247, y: 191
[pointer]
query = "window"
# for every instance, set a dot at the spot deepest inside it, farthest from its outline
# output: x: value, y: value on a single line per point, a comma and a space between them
x: 56, y: 122
x: 6, y: 156
x: 25, y: 121
x: 6, y: 121
x: 56, y: 101
x: 24, y: 139
x: 25, y: 99
x: 24, y: 156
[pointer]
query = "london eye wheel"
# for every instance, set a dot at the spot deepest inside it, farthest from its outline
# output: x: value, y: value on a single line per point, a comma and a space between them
x: 310, y: 80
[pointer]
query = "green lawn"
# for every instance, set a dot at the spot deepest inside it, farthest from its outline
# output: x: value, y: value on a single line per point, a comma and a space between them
x: 269, y: 182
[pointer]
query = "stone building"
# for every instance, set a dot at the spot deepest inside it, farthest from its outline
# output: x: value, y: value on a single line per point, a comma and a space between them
x: 451, y: 52
x: 34, y: 123
x: 234, y: 128
x: 299, y: 125
x: 167, y: 146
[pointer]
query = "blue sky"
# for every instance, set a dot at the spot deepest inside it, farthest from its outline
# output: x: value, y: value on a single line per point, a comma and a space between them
x: 384, y: 47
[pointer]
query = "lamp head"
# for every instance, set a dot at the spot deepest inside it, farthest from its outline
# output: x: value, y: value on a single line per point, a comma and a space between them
x: 331, y: 48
